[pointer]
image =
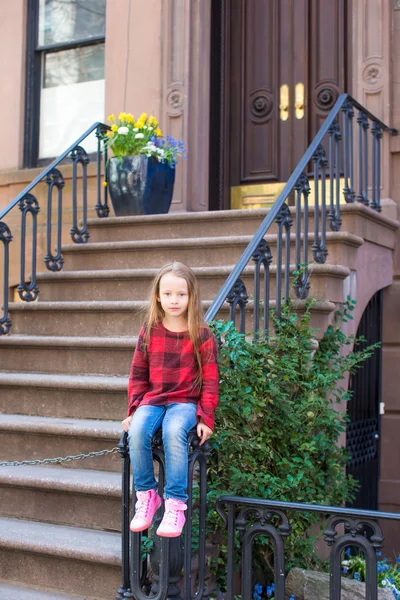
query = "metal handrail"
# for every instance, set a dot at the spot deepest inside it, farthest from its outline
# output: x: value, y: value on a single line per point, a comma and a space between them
x: 318, y: 508
x: 50, y: 167
x: 288, y: 189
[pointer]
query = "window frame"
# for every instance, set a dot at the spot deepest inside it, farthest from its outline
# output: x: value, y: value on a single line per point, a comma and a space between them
x: 33, y: 81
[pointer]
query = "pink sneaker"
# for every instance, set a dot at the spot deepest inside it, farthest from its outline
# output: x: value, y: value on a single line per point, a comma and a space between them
x: 145, y: 508
x: 173, y: 519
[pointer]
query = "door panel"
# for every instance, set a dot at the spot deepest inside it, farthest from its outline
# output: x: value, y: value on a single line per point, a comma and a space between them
x: 254, y: 128
x: 327, y: 58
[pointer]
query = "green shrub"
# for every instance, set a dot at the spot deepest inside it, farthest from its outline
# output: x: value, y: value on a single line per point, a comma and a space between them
x: 277, y: 426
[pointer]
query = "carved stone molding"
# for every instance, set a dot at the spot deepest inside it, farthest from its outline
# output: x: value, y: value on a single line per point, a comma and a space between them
x: 372, y: 74
x: 175, y: 99
x: 186, y: 26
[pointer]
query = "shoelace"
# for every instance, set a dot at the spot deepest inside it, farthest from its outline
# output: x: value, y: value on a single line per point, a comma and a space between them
x: 171, y: 517
x: 142, y: 507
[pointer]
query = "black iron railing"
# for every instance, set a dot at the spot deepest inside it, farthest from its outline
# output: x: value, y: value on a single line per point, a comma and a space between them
x: 345, y: 528
x: 330, y: 162
x: 168, y: 557
x: 28, y: 204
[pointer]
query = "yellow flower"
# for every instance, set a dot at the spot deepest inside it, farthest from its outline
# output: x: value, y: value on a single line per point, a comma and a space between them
x: 157, y: 132
x: 153, y: 121
x: 114, y: 127
x: 105, y: 183
x: 111, y: 117
x: 122, y: 116
x: 139, y: 124
x: 109, y: 134
x: 143, y: 116
x: 129, y: 118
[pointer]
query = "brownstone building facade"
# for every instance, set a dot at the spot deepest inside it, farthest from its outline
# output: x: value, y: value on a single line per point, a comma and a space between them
x: 245, y: 83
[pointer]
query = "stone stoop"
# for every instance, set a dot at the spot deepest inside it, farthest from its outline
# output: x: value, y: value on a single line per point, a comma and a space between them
x: 22, y: 592
x: 63, y: 378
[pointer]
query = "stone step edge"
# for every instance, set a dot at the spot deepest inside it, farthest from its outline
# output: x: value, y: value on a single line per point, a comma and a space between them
x: 65, y: 542
x: 109, y: 431
x: 95, y: 343
x: 54, y: 479
x: 200, y: 272
x: 75, y: 382
x: 230, y: 215
x: 16, y: 591
x: 182, y: 216
x: 223, y: 241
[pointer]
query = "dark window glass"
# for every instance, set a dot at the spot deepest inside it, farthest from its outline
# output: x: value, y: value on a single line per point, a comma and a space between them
x: 69, y: 20
x: 73, y: 66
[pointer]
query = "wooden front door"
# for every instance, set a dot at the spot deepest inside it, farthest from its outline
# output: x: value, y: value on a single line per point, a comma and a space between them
x: 283, y: 65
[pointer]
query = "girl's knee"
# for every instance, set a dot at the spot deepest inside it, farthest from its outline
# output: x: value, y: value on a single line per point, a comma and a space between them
x: 139, y: 433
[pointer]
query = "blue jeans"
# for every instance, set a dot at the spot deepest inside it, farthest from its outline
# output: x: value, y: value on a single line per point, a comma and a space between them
x: 176, y: 421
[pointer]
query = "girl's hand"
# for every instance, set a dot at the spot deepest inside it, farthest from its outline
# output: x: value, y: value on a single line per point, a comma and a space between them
x: 203, y: 431
x: 126, y: 422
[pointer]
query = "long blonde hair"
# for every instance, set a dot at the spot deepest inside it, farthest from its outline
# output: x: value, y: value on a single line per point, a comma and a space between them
x: 195, y: 321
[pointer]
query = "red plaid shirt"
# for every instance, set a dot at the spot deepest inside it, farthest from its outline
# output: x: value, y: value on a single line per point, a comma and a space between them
x: 166, y: 372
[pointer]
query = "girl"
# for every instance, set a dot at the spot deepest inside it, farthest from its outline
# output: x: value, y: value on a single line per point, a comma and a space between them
x: 174, y: 383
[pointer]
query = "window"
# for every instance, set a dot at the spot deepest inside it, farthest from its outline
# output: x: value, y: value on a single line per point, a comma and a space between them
x: 65, y: 74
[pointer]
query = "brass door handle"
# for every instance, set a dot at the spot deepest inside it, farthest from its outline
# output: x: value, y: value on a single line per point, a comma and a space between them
x: 299, y: 101
x: 284, y: 102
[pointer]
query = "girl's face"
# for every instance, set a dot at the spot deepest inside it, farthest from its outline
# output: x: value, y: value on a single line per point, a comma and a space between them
x: 174, y: 295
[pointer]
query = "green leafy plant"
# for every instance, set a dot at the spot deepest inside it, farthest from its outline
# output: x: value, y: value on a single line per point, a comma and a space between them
x: 278, y: 428
x: 354, y: 567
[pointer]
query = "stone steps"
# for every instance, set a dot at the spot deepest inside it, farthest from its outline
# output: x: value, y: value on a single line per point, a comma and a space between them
x: 71, y: 560
x: 67, y: 355
x: 70, y: 396
x: 22, y: 592
x: 356, y: 218
x: 202, y: 252
x: 64, y: 373
x: 78, y: 497
x: 35, y: 438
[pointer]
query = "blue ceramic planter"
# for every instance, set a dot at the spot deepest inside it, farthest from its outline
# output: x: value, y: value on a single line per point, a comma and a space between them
x: 139, y: 185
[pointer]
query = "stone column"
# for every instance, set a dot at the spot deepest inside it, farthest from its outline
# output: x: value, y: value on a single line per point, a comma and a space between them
x: 185, y: 95
x: 371, y: 68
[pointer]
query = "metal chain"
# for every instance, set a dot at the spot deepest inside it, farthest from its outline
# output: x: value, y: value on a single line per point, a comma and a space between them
x: 59, y: 459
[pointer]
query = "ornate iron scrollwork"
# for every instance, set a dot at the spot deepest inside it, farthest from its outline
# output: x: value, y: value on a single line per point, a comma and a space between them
x: 5, y: 237
x: 303, y: 185
x: 377, y: 133
x: 319, y: 249
x: 79, y: 235
x: 335, y: 137
x: 348, y: 191
x: 54, y: 179
x: 238, y: 297
x: 28, y: 292
x: 102, y: 208
x: 363, y: 125
x: 262, y: 256
x: 301, y: 284
x: 319, y: 157
x: 334, y: 130
x: 284, y: 217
